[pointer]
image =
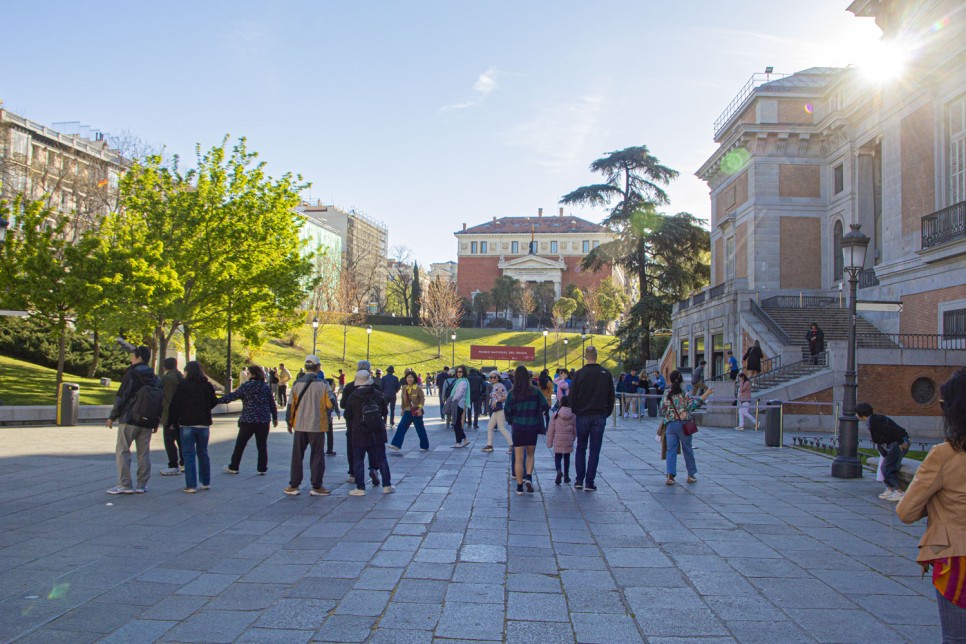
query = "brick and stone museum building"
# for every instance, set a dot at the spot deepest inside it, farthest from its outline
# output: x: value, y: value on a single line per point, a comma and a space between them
x: 503, y: 247
x: 802, y: 157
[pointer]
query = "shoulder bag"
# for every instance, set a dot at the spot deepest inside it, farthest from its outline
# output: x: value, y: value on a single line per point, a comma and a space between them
x: 690, y: 427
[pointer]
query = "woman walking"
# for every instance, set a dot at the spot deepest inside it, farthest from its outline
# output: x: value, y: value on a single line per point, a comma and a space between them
x: 413, y: 400
x: 938, y: 493
x: 525, y: 409
x: 752, y: 359
x: 497, y: 399
x: 560, y: 438
x: 459, y: 402
x: 258, y: 410
x: 676, y: 408
x: 744, y: 403
x: 191, y: 410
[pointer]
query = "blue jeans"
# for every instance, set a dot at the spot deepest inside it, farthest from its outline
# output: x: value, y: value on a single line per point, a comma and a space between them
x: 194, y: 441
x: 590, y: 430
x: 674, y: 433
x: 405, y: 421
x: 952, y: 620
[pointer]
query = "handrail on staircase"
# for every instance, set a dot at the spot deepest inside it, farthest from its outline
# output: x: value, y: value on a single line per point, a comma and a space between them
x: 769, y: 322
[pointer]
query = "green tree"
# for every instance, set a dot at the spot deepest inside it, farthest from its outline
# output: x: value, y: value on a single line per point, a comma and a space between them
x: 664, y: 253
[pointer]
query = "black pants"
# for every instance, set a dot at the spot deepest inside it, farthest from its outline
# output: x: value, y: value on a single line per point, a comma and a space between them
x: 458, y: 425
x: 245, y: 432
x: 172, y: 446
x: 377, y: 456
x: 316, y: 460
x: 565, y: 460
x: 391, y: 405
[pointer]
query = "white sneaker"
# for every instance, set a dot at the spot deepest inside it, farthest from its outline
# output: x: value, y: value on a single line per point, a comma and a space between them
x: 888, y: 492
x: 357, y: 492
x: 388, y: 489
x: 896, y: 496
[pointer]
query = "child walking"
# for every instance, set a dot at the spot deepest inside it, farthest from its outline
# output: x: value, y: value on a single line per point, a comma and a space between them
x: 561, y: 435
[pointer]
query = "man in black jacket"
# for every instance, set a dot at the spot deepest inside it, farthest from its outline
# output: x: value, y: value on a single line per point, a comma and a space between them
x: 137, y: 375
x: 892, y: 442
x: 592, y: 401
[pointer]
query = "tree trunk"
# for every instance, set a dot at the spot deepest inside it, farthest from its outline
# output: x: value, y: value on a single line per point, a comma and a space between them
x: 96, y: 361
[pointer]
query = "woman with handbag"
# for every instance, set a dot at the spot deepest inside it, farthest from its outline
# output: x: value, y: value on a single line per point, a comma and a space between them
x: 413, y: 400
x: 679, y: 426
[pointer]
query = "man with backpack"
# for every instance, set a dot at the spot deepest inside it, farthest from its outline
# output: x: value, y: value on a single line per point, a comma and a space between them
x: 307, y: 418
x: 137, y: 408
x: 366, y: 416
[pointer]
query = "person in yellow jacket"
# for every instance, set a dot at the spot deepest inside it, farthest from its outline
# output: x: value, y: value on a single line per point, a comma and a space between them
x: 308, y: 419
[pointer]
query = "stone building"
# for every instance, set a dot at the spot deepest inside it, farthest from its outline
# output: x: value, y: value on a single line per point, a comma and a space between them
x: 802, y: 157
x: 503, y: 247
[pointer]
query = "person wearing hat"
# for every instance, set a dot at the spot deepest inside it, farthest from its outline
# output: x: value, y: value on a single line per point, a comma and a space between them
x: 139, y: 374
x: 362, y: 365
x: 390, y: 387
x: 307, y: 418
x: 366, y: 421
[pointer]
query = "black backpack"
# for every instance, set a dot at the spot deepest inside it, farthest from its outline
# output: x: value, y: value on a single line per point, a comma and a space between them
x: 372, y: 420
x: 146, y: 405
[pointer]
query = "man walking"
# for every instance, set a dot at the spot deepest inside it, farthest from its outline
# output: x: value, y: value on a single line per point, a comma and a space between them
x: 390, y: 387
x: 284, y: 376
x: 592, y: 401
x: 169, y: 432
x: 138, y: 375
x: 307, y: 417
x: 441, y: 379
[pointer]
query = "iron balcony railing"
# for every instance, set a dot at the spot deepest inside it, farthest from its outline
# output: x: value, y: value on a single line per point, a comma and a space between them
x: 920, y: 341
x: 946, y: 225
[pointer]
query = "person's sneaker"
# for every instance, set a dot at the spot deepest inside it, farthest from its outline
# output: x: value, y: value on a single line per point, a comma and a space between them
x: 357, y: 492
x: 888, y: 492
x: 319, y: 491
x: 170, y: 471
x: 590, y: 487
x: 519, y: 490
x: 578, y: 485
x: 117, y: 489
x: 204, y: 487
x: 559, y: 478
x: 351, y: 479
x: 291, y: 491
x: 393, y: 447
x: 228, y: 470
x: 140, y: 490
x: 388, y: 489
x: 189, y: 490
x: 896, y: 496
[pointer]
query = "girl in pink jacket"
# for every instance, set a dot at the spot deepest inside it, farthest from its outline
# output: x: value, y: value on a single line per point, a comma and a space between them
x: 561, y: 435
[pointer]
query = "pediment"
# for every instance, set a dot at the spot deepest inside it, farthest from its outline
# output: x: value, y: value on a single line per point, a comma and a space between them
x: 533, y: 262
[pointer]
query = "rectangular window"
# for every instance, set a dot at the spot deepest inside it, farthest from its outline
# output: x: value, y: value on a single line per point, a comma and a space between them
x: 473, y: 248
x: 839, y: 178
x: 553, y: 247
x: 514, y: 247
x: 482, y: 247
x: 954, y: 323
x: 730, y: 258
x: 586, y: 246
x: 957, y: 150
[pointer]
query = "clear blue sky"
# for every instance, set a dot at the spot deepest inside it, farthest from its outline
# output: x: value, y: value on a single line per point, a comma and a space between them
x: 424, y: 114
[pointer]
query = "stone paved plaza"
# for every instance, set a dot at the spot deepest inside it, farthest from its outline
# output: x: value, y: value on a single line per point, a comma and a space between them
x: 766, y: 547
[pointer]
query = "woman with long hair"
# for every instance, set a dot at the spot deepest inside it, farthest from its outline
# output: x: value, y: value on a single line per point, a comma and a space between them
x: 413, y: 400
x: 938, y: 492
x: 525, y: 409
x: 676, y: 408
x: 191, y: 410
x: 459, y: 394
x: 258, y: 410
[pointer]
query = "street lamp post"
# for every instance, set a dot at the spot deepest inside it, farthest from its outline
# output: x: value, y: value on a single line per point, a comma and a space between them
x: 566, y: 354
x: 847, y: 465
x: 453, y: 338
x: 545, y: 332
x: 368, y: 338
x: 315, y: 333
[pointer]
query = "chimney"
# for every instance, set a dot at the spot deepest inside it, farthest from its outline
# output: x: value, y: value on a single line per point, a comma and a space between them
x: 539, y: 212
x: 464, y: 226
x: 561, y: 211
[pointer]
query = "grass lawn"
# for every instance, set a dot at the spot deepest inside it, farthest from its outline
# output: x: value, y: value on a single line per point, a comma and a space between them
x: 24, y: 383
x: 412, y: 347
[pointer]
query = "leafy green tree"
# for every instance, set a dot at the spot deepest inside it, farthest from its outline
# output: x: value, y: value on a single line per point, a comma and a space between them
x: 664, y: 253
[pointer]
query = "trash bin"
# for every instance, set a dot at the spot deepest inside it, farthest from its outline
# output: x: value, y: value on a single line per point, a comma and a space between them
x: 652, y: 402
x: 69, y: 409
x: 773, y: 423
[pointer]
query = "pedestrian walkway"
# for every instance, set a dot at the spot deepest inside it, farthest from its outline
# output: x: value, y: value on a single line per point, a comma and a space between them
x: 766, y: 547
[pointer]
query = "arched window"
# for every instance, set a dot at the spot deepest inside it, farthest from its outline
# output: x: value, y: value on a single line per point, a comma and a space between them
x: 837, y: 268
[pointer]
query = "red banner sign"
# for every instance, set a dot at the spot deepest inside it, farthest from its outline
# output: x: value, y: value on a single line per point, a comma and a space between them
x: 521, y: 354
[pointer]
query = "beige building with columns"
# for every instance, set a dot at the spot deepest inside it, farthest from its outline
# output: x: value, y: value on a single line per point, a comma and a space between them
x: 802, y: 157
